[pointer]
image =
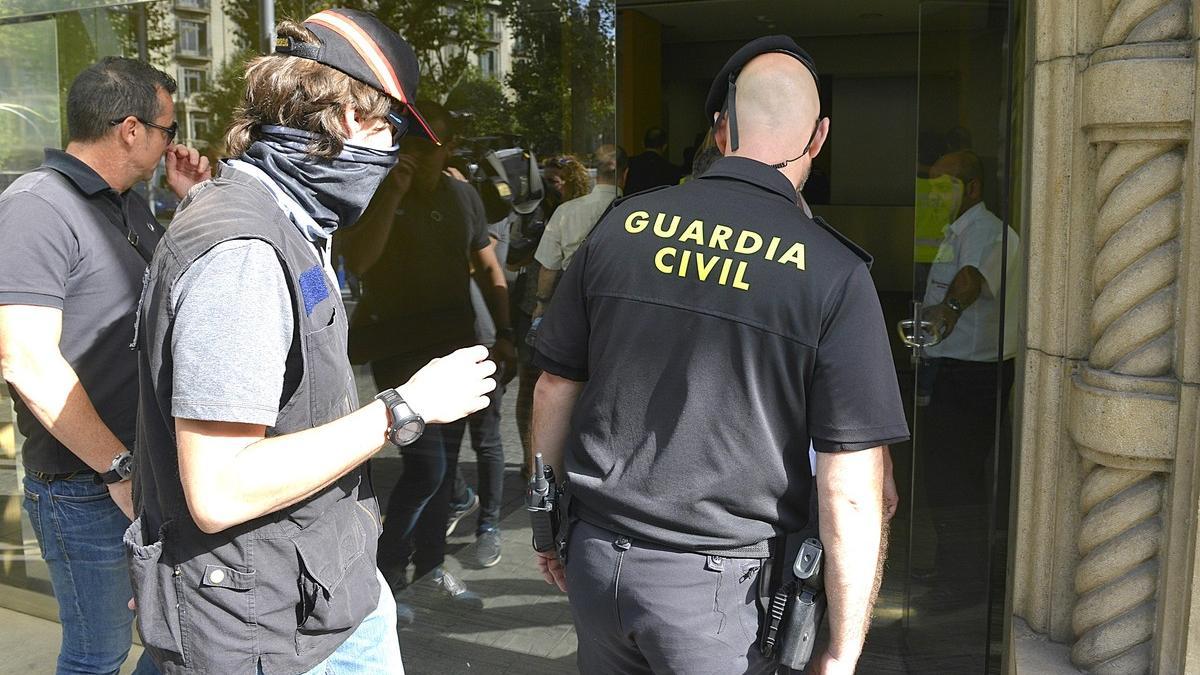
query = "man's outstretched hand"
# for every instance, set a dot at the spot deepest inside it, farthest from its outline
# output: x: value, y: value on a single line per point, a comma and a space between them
x: 452, y: 387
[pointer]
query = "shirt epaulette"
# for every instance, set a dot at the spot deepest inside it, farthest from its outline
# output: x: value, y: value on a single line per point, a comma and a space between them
x: 854, y: 248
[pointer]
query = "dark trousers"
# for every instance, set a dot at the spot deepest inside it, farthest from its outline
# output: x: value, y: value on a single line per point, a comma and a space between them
x: 415, y: 526
x: 960, y: 438
x: 420, y: 504
x: 484, y: 430
x: 642, y: 608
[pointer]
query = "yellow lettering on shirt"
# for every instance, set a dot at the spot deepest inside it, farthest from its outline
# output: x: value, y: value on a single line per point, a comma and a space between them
x: 739, y: 281
x: 660, y: 257
x: 720, y: 237
x: 706, y: 266
x: 795, y: 255
x: 694, y: 232
x: 666, y: 233
x: 772, y: 247
x: 748, y: 242
x: 637, y: 221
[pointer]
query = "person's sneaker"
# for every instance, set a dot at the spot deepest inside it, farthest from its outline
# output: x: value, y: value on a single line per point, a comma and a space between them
x: 487, y: 547
x: 451, y: 588
x: 457, y: 512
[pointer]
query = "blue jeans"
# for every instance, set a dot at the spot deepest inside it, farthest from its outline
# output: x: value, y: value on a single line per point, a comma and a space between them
x: 79, y: 529
x: 372, y: 649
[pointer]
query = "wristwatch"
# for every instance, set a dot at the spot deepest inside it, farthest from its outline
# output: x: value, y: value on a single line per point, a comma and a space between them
x: 122, y: 468
x: 954, y: 305
x: 404, y: 424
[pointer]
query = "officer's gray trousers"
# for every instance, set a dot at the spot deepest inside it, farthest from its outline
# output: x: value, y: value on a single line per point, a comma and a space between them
x: 641, y: 608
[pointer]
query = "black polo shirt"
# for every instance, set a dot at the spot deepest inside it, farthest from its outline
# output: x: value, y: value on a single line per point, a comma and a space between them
x: 719, y: 331
x: 64, y: 243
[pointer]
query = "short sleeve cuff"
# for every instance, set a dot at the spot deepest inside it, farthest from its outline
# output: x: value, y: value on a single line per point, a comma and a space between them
x: 223, y: 412
x: 30, y: 298
x: 554, y: 367
x: 823, y: 445
x: 550, y: 263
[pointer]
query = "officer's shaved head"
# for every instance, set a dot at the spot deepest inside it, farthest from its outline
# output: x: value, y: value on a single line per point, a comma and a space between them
x: 776, y: 95
x: 777, y: 108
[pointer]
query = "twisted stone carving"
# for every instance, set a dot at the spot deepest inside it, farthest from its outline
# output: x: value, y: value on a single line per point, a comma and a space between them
x: 1132, y: 21
x: 1137, y: 259
x: 1132, y: 329
x: 1119, y: 541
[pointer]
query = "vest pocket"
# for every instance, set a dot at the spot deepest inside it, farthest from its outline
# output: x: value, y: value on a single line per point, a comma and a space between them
x: 327, y: 550
x: 154, y: 589
x: 329, y: 375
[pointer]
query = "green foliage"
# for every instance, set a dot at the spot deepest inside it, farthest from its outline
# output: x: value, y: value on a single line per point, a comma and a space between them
x: 483, y: 99
x: 562, y: 75
x: 222, y: 98
x: 444, y: 35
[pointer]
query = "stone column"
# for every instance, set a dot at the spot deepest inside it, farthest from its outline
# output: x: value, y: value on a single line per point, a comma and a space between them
x: 1108, y: 334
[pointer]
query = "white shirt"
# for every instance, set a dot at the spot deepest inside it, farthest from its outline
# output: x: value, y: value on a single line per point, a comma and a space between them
x: 570, y: 225
x: 975, y: 239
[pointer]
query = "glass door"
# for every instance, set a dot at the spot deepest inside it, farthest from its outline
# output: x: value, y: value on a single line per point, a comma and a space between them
x: 951, y: 545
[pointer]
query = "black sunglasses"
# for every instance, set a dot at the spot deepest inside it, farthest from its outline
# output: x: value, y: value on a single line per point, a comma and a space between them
x: 169, y: 131
x: 398, y: 121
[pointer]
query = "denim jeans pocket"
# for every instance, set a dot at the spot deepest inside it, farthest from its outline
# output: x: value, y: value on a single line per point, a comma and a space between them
x: 327, y: 549
x: 33, y: 506
x: 156, y: 592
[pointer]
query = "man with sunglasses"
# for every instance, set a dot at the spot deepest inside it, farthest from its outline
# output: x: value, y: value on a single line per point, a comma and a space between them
x: 76, y: 241
x: 703, y: 337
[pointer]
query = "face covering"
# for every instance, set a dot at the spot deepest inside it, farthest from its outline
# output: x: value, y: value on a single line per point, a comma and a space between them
x: 335, y: 192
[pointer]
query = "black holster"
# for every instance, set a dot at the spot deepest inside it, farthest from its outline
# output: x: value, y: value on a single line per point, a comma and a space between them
x: 794, y: 601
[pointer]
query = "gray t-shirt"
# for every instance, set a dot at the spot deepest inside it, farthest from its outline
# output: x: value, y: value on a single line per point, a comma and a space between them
x: 233, y: 330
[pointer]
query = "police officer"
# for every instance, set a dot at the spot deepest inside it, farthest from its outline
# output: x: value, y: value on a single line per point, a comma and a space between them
x: 702, y: 336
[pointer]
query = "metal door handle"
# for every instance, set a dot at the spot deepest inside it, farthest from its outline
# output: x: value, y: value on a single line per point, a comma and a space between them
x: 917, y: 333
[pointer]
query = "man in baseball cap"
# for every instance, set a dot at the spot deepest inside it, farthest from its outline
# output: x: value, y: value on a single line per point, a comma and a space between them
x: 254, y: 549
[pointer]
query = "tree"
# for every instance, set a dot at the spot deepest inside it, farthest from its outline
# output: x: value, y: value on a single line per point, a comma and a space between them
x: 483, y: 99
x: 562, y: 74
x: 444, y: 35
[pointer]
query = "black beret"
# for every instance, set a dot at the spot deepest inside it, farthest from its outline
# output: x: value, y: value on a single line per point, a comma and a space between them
x: 756, y: 47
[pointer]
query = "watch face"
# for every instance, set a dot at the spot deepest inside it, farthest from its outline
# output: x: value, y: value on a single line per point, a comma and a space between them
x: 409, y: 431
x: 124, y: 465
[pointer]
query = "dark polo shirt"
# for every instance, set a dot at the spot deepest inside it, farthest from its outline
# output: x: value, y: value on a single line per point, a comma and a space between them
x: 719, y: 332
x: 65, y: 243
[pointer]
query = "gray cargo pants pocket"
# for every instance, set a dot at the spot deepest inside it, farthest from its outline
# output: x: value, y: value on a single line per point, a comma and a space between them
x: 156, y: 592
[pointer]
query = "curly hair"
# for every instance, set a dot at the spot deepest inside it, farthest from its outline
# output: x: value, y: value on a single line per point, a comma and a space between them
x: 302, y: 94
x: 576, y: 180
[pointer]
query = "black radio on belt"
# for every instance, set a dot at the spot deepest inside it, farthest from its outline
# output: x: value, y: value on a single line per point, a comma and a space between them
x: 542, y: 502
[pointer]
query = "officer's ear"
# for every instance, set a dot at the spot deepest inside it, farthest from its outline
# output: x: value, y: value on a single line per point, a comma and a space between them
x: 721, y: 133
x: 818, y: 140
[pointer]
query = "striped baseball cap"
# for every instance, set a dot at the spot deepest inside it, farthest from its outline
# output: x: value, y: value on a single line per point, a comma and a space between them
x: 361, y: 46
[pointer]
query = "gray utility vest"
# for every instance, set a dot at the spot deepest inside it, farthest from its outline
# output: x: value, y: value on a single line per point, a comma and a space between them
x: 286, y: 589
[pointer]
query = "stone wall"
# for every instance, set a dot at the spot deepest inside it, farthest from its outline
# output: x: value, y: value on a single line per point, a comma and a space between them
x: 1108, y: 486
